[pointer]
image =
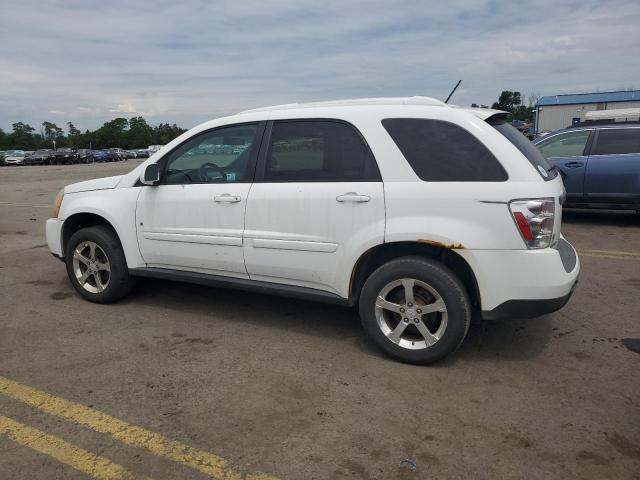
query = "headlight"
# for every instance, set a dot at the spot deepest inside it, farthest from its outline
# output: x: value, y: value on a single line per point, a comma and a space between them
x: 57, y: 203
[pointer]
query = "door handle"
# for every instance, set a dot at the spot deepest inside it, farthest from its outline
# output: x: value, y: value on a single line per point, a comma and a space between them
x: 574, y: 164
x: 353, y: 197
x: 226, y: 198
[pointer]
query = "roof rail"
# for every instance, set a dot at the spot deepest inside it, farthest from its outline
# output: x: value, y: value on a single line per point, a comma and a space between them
x: 417, y: 100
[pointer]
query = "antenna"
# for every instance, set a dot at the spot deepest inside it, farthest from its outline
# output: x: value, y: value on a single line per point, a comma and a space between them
x: 454, y: 89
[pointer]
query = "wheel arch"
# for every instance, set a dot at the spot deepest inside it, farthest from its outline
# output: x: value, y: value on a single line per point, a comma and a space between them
x: 445, y: 254
x: 80, y: 220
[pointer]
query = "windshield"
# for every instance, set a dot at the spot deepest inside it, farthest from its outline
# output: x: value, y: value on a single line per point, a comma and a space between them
x: 525, y: 146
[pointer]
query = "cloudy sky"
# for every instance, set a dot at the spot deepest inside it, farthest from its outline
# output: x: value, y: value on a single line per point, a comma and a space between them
x: 187, y: 61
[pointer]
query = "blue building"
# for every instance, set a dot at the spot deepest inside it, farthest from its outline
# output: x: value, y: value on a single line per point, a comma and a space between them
x: 561, y: 111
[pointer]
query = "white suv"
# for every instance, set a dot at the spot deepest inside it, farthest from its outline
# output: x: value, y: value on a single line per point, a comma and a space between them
x: 419, y: 213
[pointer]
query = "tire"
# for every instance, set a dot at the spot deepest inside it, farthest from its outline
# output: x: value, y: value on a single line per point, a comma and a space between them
x: 113, y: 284
x: 434, y: 287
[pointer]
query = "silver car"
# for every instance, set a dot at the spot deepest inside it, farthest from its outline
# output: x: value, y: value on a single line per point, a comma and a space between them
x: 14, y: 157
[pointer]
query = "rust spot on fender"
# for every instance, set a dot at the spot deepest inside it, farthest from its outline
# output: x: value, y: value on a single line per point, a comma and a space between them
x: 451, y: 246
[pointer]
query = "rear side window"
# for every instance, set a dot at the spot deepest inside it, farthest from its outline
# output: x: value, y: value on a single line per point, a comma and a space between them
x: 617, y: 141
x: 441, y: 151
x: 528, y: 149
x: 318, y: 151
x: 569, y: 144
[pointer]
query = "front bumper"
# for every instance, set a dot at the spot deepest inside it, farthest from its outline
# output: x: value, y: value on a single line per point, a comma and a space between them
x: 53, y: 231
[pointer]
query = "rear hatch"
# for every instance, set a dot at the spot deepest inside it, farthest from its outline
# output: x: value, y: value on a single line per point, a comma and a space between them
x: 548, y: 172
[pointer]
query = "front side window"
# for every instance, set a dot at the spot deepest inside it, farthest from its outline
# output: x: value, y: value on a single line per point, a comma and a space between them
x: 617, y: 141
x: 570, y: 144
x: 440, y: 151
x: 318, y: 151
x: 218, y: 156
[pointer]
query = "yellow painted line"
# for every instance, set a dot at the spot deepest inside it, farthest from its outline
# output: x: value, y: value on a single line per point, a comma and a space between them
x: 205, y: 462
x: 86, y: 462
x: 609, y: 254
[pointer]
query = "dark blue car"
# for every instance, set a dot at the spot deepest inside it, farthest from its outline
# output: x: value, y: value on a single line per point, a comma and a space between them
x: 100, y: 156
x: 600, y: 164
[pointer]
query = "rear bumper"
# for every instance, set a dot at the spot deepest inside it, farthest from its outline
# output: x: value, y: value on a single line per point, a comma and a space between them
x: 520, y: 309
x: 523, y: 283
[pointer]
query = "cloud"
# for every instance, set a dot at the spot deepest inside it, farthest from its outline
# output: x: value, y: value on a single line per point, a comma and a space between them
x: 186, y: 62
x: 123, y: 108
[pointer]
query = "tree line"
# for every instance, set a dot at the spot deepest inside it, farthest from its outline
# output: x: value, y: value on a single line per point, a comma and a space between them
x: 119, y: 132
x: 511, y: 102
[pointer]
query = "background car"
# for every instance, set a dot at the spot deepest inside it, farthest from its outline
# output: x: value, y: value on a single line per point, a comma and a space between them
x: 65, y: 156
x: 14, y: 157
x: 2, y: 157
x: 116, y: 155
x: 40, y: 157
x: 85, y: 155
x: 100, y: 156
x: 600, y: 164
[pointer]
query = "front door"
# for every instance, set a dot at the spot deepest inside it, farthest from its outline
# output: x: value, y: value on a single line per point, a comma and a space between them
x: 567, y: 151
x: 194, y: 219
x: 317, y: 202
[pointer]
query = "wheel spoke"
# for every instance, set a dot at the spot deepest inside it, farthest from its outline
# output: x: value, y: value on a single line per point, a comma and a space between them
x: 396, y: 333
x: 84, y: 277
x: 99, y: 284
x: 437, y: 306
x: 105, y: 267
x: 408, y: 284
x: 429, y: 338
x: 387, y: 305
x: 92, y: 250
x: 81, y: 258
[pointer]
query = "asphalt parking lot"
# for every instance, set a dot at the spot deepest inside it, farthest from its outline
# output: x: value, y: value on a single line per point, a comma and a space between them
x: 182, y: 381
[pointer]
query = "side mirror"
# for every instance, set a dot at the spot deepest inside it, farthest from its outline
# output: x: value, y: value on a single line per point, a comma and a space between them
x: 151, y: 174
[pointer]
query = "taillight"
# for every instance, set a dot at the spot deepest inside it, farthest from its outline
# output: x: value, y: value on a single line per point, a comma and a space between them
x: 534, y: 219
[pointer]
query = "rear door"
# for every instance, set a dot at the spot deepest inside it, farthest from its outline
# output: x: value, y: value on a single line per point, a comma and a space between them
x: 568, y: 151
x: 613, y: 170
x: 316, y: 203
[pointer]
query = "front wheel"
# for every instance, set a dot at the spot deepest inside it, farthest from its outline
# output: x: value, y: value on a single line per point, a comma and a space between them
x: 415, y: 309
x: 96, y: 265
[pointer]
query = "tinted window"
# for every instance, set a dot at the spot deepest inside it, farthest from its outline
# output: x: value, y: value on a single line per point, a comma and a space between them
x: 570, y: 144
x: 318, y: 151
x: 525, y: 146
x: 617, y: 141
x: 440, y: 151
x: 217, y: 156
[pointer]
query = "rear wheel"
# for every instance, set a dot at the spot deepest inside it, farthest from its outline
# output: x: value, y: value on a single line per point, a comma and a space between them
x: 96, y: 265
x: 415, y: 309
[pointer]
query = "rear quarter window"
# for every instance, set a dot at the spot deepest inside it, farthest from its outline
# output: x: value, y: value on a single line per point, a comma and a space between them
x: 440, y: 151
x: 612, y: 141
x: 528, y: 149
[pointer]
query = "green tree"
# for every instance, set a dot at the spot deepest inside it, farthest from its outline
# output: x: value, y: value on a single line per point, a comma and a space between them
x: 164, y: 133
x: 73, y: 131
x: 52, y: 131
x: 512, y: 102
x: 140, y: 134
x: 119, y: 132
x: 22, y: 136
x: 508, y: 101
x: 111, y: 134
